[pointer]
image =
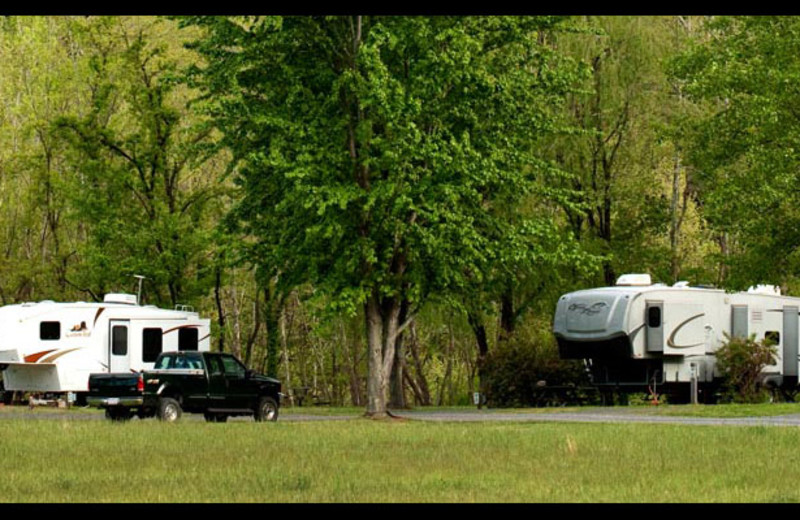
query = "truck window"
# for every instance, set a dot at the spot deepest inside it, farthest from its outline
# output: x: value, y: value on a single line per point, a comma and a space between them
x: 232, y: 367
x: 187, y: 339
x: 165, y: 362
x: 152, y: 344
x: 50, y: 330
x: 215, y: 366
x: 195, y: 363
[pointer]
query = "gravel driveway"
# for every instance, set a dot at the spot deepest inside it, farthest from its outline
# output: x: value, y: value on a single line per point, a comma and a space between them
x: 612, y: 415
x: 594, y: 415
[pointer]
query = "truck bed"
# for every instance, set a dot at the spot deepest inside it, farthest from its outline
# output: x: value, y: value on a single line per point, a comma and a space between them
x: 119, y: 389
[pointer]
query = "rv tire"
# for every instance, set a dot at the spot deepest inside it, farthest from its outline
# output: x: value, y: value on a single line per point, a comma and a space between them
x: 169, y: 410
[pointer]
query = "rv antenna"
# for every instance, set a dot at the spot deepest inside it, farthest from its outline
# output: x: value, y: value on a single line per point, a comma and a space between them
x: 139, y: 294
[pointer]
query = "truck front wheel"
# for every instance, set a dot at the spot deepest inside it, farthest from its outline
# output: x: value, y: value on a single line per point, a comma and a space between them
x: 169, y: 410
x: 267, y: 410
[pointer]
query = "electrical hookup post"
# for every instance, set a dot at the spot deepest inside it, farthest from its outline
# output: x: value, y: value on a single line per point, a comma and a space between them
x: 478, y: 399
x: 693, y: 384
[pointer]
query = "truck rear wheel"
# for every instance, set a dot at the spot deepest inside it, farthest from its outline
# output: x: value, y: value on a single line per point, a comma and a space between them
x: 267, y: 410
x: 169, y: 410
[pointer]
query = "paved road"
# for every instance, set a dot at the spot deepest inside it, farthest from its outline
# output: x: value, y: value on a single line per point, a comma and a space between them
x: 594, y: 415
x: 615, y: 415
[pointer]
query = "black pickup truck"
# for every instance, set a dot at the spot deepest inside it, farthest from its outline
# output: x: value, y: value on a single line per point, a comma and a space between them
x: 214, y: 384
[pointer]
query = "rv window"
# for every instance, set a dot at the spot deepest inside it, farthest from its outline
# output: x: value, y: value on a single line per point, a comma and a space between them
x: 773, y: 336
x: 119, y: 341
x: 187, y: 339
x: 152, y: 344
x: 49, y: 330
x: 654, y: 317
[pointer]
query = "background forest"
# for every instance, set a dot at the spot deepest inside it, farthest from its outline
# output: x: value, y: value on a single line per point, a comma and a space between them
x: 369, y: 205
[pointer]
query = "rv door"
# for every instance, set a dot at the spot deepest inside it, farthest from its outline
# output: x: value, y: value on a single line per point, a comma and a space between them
x: 118, y: 346
x: 654, y: 320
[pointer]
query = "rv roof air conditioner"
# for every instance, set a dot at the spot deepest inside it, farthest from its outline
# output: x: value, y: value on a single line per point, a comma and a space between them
x: 765, y: 289
x: 129, y: 299
x: 634, y: 280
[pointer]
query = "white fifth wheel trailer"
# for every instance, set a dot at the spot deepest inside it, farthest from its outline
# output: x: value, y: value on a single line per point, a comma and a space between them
x: 50, y: 347
x: 637, y: 334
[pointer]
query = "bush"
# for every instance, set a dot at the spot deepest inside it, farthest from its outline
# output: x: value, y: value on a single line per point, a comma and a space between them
x: 741, y: 361
x: 524, y: 373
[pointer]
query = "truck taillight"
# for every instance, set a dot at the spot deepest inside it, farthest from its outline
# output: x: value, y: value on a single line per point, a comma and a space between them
x: 140, y: 385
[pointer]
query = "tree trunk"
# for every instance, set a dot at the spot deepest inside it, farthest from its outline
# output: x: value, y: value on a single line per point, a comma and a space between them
x: 220, y: 310
x: 419, y: 384
x: 272, y: 312
x: 376, y: 397
x: 507, y: 314
x: 397, y: 383
x: 383, y: 326
x: 482, y: 342
x: 287, y: 384
x: 448, y: 371
x: 251, y: 340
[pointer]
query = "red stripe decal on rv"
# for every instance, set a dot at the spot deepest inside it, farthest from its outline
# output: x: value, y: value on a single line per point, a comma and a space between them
x: 33, y: 358
x: 52, y: 358
x: 99, y: 312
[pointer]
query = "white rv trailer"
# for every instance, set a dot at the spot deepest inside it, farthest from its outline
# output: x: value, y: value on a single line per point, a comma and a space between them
x: 50, y: 347
x: 637, y: 333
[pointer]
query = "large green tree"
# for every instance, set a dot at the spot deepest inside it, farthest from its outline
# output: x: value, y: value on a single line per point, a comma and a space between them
x: 747, y: 152
x: 638, y: 196
x: 135, y: 179
x: 372, y: 151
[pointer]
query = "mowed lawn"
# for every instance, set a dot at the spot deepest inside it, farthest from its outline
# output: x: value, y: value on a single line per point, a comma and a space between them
x: 394, y: 461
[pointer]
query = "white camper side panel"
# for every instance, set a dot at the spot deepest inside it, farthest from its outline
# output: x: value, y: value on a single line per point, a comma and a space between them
x: 684, y: 328
x: 53, y: 347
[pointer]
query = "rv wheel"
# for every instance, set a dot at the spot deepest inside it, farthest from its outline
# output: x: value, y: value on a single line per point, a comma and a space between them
x: 169, y: 410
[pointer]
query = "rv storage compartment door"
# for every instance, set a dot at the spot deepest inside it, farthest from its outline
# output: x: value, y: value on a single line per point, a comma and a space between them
x: 684, y: 326
x: 790, y: 340
x: 653, y: 322
x: 739, y: 327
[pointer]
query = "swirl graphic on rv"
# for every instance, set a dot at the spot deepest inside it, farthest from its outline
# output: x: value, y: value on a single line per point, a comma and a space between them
x: 591, y: 310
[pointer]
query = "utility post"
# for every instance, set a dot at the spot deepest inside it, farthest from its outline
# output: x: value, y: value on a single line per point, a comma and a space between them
x: 139, y: 294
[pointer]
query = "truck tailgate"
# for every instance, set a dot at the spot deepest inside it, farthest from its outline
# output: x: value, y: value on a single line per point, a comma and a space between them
x: 112, y: 389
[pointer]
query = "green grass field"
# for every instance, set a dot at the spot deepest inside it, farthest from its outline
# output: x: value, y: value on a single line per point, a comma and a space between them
x: 394, y: 461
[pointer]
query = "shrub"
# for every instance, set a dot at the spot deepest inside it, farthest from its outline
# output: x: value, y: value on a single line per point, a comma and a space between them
x: 741, y: 361
x: 527, y: 372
